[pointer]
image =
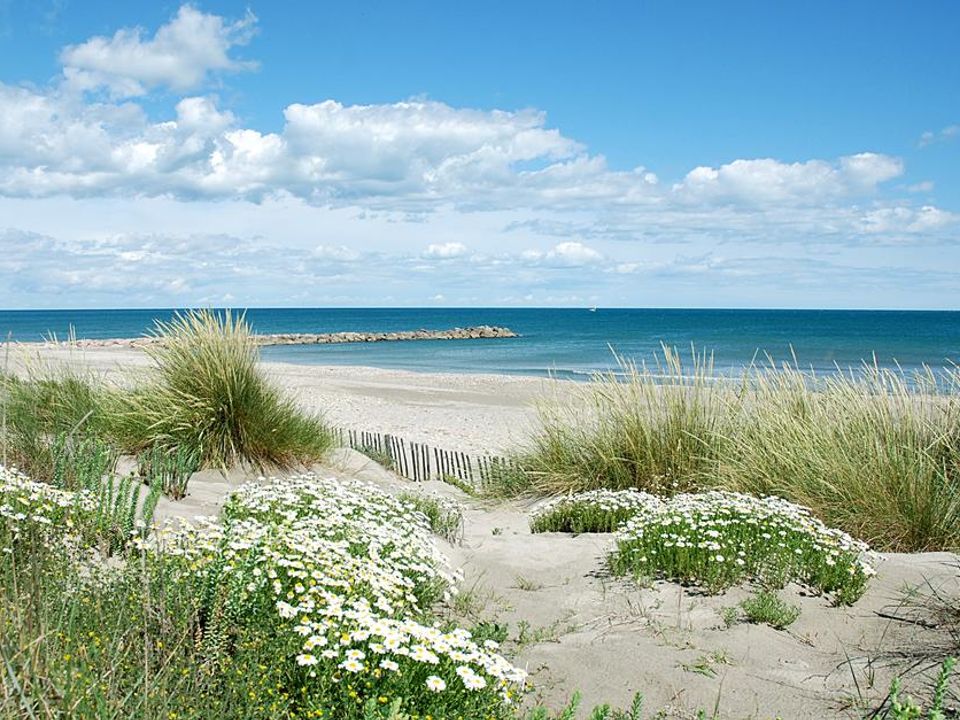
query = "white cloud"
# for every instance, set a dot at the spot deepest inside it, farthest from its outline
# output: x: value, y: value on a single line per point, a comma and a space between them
x: 446, y: 250
x: 770, y: 181
x: 180, y: 56
x: 896, y: 220
x: 354, y: 204
x: 336, y: 253
x: 565, y: 254
x: 948, y: 133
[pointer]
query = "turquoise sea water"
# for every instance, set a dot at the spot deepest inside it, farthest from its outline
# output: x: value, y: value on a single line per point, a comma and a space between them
x: 568, y: 342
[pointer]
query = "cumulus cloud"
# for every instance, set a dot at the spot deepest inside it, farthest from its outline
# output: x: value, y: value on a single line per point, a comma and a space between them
x: 445, y: 250
x: 895, y: 220
x: 382, y: 188
x: 769, y: 180
x: 181, y: 55
x: 565, y: 254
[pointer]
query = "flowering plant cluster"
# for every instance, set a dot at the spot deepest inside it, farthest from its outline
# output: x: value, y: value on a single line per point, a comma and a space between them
x: 344, y: 574
x: 595, y: 511
x: 27, y: 504
x: 718, y: 539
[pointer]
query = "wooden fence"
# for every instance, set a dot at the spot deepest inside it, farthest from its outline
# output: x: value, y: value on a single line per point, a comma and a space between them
x: 419, y: 461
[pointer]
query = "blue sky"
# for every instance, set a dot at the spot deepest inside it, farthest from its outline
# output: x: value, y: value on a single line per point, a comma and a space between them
x: 747, y: 154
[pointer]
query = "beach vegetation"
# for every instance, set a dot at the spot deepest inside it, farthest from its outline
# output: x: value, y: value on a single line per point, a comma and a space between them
x: 659, y: 429
x: 898, y: 706
x: 378, y: 455
x: 873, y: 451
x: 765, y: 607
x: 445, y: 516
x: 168, y: 469
x: 716, y: 540
x: 46, y: 412
x: 206, y: 394
x: 306, y: 595
x: 594, y: 511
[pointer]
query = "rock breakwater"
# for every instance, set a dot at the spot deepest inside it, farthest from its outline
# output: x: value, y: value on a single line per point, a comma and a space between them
x: 479, y: 332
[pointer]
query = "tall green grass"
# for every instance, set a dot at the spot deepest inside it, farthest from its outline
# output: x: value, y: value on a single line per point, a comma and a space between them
x: 660, y: 429
x: 204, y: 397
x: 875, y: 452
x: 46, y: 412
x: 206, y: 393
x: 872, y: 451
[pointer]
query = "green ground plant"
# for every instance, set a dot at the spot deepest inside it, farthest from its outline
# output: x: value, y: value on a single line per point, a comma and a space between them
x: 445, y: 516
x: 767, y: 608
x: 898, y: 707
x: 81, y: 462
x: 719, y: 539
x: 168, y: 469
x: 594, y: 511
x: 381, y: 457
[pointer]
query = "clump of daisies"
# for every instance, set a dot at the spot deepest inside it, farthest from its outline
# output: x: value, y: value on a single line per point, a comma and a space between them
x: 595, y: 511
x: 28, y: 506
x: 343, y: 574
x: 720, y: 539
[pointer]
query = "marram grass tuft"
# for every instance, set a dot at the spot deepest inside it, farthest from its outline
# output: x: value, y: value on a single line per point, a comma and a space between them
x: 206, y: 393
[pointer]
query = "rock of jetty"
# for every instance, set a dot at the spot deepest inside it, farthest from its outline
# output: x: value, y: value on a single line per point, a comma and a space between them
x: 479, y: 332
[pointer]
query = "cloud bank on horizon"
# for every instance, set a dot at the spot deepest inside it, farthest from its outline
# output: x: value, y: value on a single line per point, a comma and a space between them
x: 109, y: 200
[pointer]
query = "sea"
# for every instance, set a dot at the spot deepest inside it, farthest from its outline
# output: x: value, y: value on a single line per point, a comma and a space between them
x: 567, y: 343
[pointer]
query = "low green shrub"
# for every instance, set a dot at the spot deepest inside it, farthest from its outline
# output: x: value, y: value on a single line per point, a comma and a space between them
x: 594, y: 511
x: 81, y: 462
x: 766, y: 608
x: 381, y: 457
x: 897, y: 707
x: 720, y: 539
x: 444, y: 515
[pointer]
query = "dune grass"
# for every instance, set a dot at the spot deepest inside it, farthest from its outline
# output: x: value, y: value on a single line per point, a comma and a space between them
x: 204, y: 402
x: 206, y: 393
x: 874, y: 452
x: 45, y: 413
x: 660, y: 430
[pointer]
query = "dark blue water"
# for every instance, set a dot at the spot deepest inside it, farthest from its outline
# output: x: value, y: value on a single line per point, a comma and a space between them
x: 568, y: 342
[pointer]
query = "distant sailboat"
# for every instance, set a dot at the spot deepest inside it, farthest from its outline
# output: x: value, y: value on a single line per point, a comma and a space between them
x: 593, y: 309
